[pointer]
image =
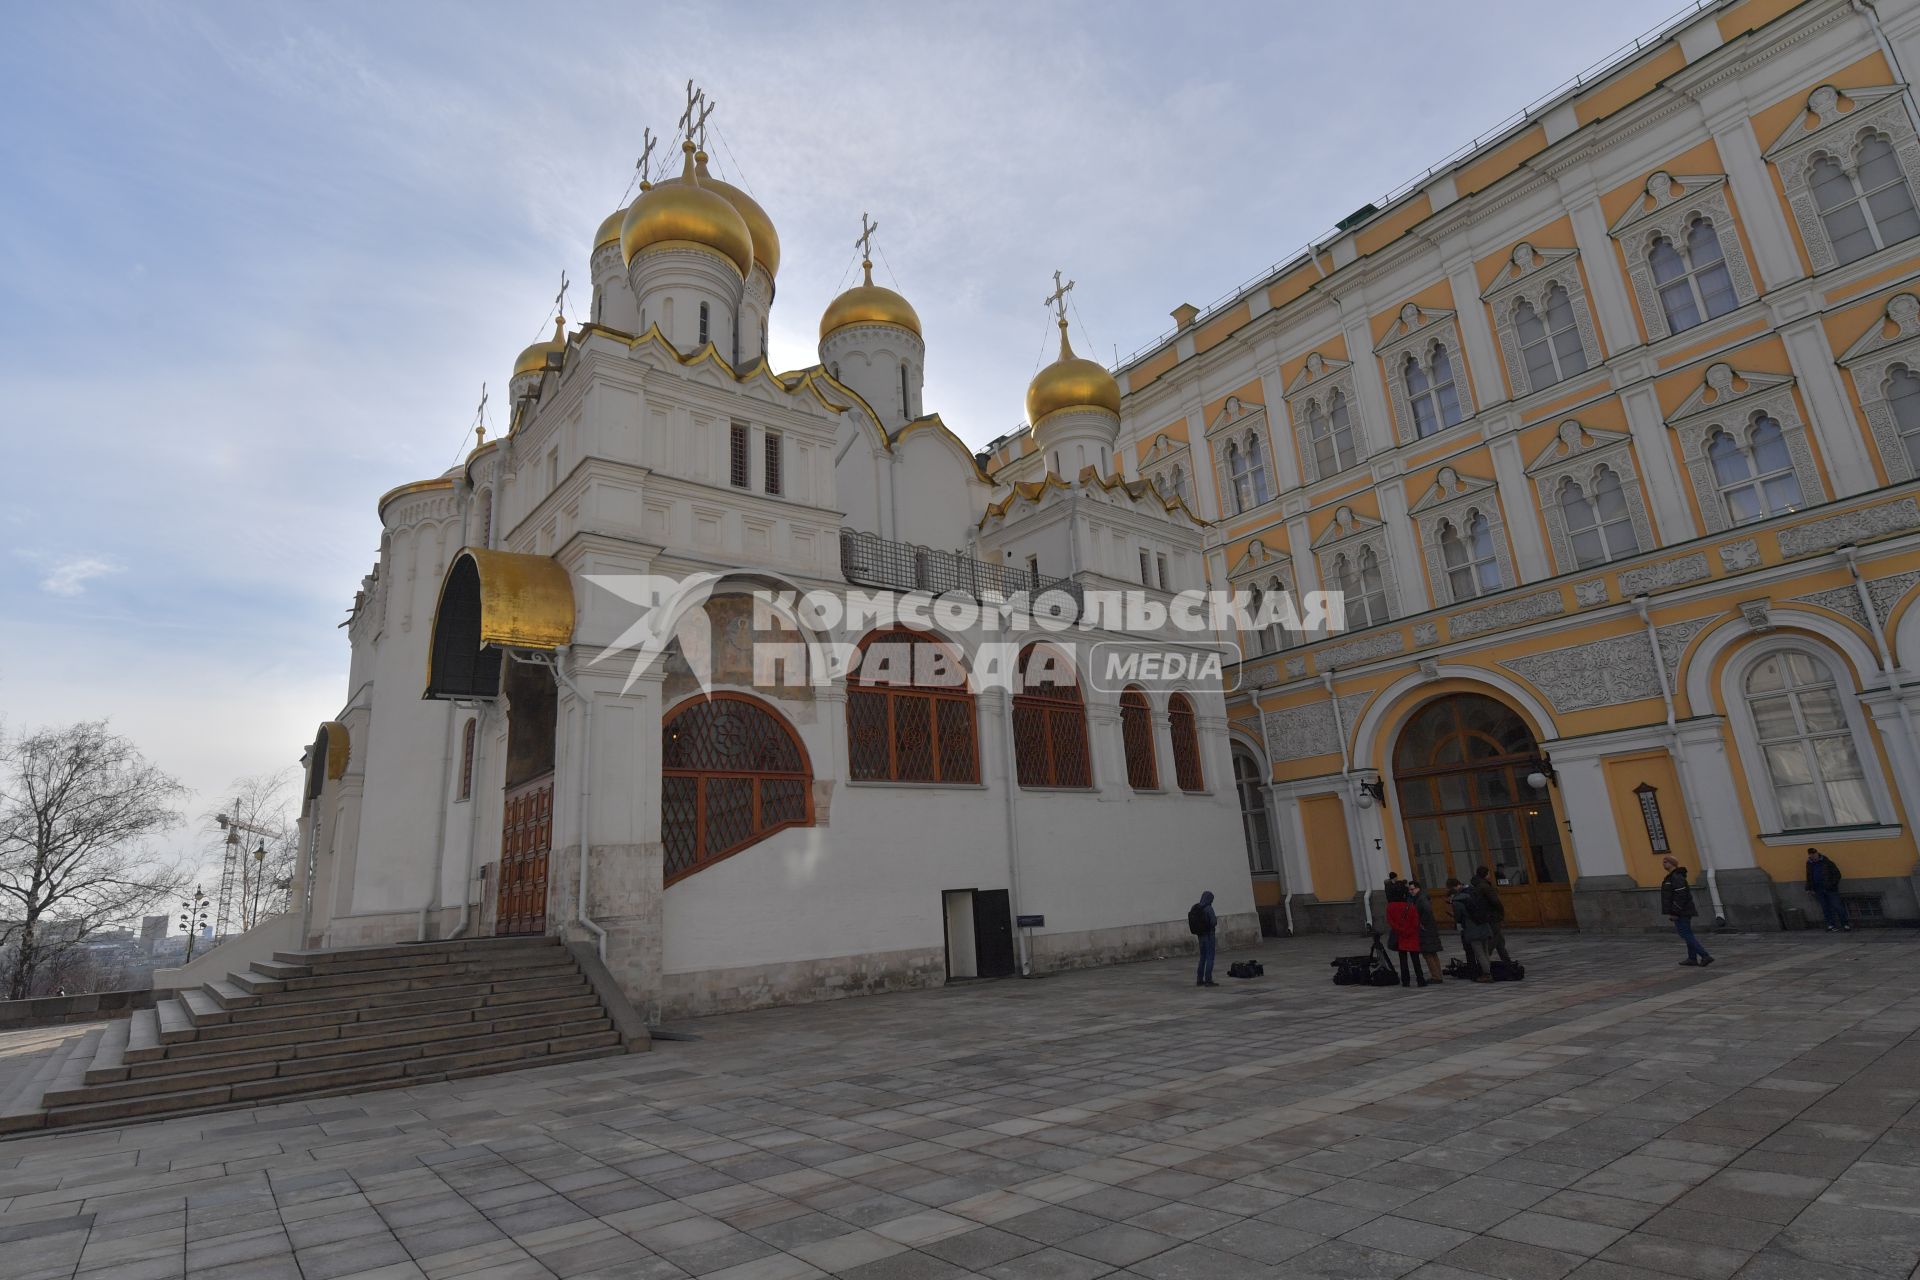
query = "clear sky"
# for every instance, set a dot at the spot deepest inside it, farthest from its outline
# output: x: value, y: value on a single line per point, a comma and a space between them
x: 256, y: 259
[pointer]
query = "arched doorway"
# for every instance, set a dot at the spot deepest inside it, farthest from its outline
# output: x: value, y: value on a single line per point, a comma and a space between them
x: 1460, y: 770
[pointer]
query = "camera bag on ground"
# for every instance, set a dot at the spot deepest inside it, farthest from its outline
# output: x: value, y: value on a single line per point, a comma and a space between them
x: 1507, y: 971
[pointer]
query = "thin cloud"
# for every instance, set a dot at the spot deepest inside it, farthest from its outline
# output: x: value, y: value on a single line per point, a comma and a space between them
x: 70, y: 575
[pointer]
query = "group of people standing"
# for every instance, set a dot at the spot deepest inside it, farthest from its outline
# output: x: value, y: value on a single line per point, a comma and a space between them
x: 1477, y: 911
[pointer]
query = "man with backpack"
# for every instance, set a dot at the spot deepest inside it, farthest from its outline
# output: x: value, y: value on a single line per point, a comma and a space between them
x: 1676, y: 902
x: 1201, y: 923
x: 1475, y: 931
x: 1493, y: 912
x: 1823, y: 882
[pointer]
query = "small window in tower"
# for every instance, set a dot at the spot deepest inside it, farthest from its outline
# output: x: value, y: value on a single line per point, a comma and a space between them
x: 905, y: 410
x: 737, y: 457
x: 1146, y: 567
x: 763, y: 339
x: 703, y: 324
x: 1033, y: 570
x: 773, y: 462
x: 553, y: 469
x: 1160, y: 562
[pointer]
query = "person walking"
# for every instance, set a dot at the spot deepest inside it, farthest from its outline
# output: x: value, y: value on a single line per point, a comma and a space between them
x: 1474, y: 931
x: 1676, y: 901
x: 1202, y: 922
x: 1492, y: 911
x: 1429, y: 926
x: 1403, y: 922
x: 1823, y: 882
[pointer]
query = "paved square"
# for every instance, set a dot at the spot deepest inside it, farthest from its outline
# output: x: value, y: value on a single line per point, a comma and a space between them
x: 1614, y: 1117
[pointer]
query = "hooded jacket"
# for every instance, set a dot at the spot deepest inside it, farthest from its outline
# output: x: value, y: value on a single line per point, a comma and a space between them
x: 1206, y: 909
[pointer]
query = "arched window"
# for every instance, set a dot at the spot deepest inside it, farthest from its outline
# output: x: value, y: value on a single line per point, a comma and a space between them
x: 1277, y: 632
x: 1804, y: 735
x: 1185, y: 728
x: 1256, y: 634
x: 1600, y: 525
x: 732, y: 774
x: 1430, y: 391
x: 1050, y: 722
x: 910, y: 712
x: 1755, y: 479
x: 1136, y: 735
x: 1472, y: 569
x: 1868, y: 207
x: 1903, y: 401
x: 1693, y: 285
x: 1240, y: 473
x: 485, y: 531
x: 1177, y: 479
x: 467, y: 736
x: 1550, y: 348
x: 1253, y: 811
x: 1360, y: 582
x: 1330, y: 435
x: 704, y: 324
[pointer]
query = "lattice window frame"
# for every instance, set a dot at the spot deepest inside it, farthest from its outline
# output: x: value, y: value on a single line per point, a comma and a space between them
x: 1136, y: 739
x: 703, y: 854
x: 1183, y: 728
x: 951, y: 710
x: 1677, y: 200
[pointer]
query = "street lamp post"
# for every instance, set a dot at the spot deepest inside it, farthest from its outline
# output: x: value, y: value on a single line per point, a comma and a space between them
x: 193, y: 917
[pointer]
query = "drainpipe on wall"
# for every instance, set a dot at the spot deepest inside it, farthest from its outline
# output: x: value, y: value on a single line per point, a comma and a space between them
x: 1346, y: 775
x: 1680, y: 763
x: 1888, y: 667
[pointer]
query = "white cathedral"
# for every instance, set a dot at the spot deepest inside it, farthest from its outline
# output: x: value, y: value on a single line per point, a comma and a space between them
x: 723, y: 840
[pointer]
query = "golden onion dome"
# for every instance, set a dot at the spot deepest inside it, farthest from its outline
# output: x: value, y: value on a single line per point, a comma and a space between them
x: 685, y: 212
x: 1070, y: 383
x: 869, y: 303
x: 609, y: 232
x: 766, y: 241
x: 534, y: 358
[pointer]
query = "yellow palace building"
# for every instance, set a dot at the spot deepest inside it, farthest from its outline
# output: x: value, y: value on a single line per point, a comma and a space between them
x: 1608, y: 427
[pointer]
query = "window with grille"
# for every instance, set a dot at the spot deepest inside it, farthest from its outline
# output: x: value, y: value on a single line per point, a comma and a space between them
x: 1136, y: 735
x: 910, y: 712
x: 1550, y: 346
x: 1867, y: 206
x: 733, y: 773
x: 467, y: 738
x: 1146, y: 567
x: 1050, y: 722
x: 1754, y: 471
x: 704, y: 324
x: 1692, y: 278
x: 1160, y: 564
x: 906, y: 411
x: 1599, y: 524
x: 1804, y: 736
x: 773, y: 475
x: 1431, y: 393
x: 1185, y: 728
x: 1472, y: 568
x: 737, y: 459
x: 1033, y: 570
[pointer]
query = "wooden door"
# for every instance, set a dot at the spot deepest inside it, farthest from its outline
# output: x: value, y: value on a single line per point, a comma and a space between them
x: 526, y: 840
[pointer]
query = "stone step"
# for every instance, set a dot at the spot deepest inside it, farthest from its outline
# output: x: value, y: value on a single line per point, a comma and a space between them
x: 21, y: 1111
x: 269, y: 1025
x: 147, y: 1086
x: 281, y: 969
x: 402, y: 993
x: 441, y: 1047
x: 203, y: 1009
x: 109, y: 1056
x: 523, y: 957
x: 231, y: 994
x: 175, y: 1022
x: 248, y: 983
x: 143, y: 1036
x: 476, y: 971
x: 404, y: 950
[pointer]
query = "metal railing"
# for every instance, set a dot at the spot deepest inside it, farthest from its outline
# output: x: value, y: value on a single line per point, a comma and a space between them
x: 873, y: 561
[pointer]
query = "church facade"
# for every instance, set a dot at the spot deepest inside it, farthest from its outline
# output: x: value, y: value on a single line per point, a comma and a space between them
x: 1609, y: 429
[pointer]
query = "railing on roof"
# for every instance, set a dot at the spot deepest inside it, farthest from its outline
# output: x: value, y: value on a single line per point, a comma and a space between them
x: 1525, y: 115
x: 870, y: 560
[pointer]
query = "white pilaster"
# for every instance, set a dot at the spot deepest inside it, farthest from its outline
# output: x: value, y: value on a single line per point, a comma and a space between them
x: 1586, y: 809
x: 1607, y: 289
x: 1286, y: 452
x: 1483, y: 353
x: 1762, y: 217
x: 1843, y: 442
x: 1666, y: 492
x: 1376, y: 415
x: 1407, y: 571
x: 1530, y: 557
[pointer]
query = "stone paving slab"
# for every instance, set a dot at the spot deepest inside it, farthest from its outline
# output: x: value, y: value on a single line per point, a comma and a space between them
x: 1614, y: 1117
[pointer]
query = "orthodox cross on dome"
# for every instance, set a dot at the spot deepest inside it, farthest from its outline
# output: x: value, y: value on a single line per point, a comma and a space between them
x: 864, y: 241
x: 694, y: 119
x: 480, y: 419
x: 1057, y: 300
x: 560, y: 299
x: 645, y: 163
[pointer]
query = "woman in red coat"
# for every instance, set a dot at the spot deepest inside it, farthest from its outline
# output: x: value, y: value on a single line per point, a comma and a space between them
x: 1403, y: 921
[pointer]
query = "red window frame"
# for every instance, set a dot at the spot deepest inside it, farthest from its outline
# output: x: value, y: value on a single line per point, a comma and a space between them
x: 467, y: 736
x: 910, y: 732
x: 702, y: 798
x: 1050, y: 744
x: 1136, y: 735
x: 1185, y: 726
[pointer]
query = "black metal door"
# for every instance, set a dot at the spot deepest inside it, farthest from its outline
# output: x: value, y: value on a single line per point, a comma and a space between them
x: 993, y: 932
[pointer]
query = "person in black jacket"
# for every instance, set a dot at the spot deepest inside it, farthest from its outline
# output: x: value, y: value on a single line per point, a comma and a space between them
x: 1676, y: 902
x: 1823, y: 882
x: 1492, y: 910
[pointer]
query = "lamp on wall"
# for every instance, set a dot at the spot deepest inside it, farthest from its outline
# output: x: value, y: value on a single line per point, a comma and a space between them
x: 1372, y: 791
x: 1542, y: 772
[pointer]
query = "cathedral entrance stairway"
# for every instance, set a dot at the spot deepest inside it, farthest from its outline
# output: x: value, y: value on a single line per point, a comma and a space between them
x: 311, y: 1023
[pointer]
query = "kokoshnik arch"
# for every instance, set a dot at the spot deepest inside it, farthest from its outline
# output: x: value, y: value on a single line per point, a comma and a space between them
x: 1609, y: 428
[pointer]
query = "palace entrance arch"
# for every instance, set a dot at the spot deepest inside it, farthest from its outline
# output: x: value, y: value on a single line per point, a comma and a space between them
x: 1460, y: 773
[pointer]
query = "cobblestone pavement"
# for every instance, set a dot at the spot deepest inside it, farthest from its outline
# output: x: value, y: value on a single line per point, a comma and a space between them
x: 1613, y: 1117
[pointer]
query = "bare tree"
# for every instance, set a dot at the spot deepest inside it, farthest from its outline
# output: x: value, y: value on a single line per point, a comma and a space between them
x: 262, y: 806
x: 76, y: 805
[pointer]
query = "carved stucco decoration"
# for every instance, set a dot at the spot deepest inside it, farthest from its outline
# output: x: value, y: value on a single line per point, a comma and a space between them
x: 1314, y: 386
x: 1506, y: 613
x: 1863, y: 525
x: 1582, y: 452
x: 1527, y: 276
x: 1366, y: 649
x: 1741, y: 555
x: 1454, y: 499
x: 1833, y: 124
x: 1604, y: 673
x: 1730, y: 399
x: 1296, y: 733
x: 1668, y: 204
x: 1591, y: 592
x: 1426, y: 633
x: 1891, y: 342
x: 1414, y: 332
x: 1678, y: 572
x: 1886, y: 593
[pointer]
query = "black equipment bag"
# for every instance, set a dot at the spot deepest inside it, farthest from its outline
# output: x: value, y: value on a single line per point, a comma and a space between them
x: 1507, y: 971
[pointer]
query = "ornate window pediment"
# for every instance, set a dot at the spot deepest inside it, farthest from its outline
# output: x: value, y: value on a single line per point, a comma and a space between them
x: 1242, y: 454
x: 1683, y: 252
x: 1326, y: 417
x: 1261, y: 571
x: 1850, y: 164
x: 1541, y: 314
x: 1589, y: 491
x: 1463, y: 536
x: 1168, y: 464
x: 1884, y: 363
x: 1353, y: 556
x: 1234, y: 413
x: 1426, y: 376
x: 1746, y: 447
